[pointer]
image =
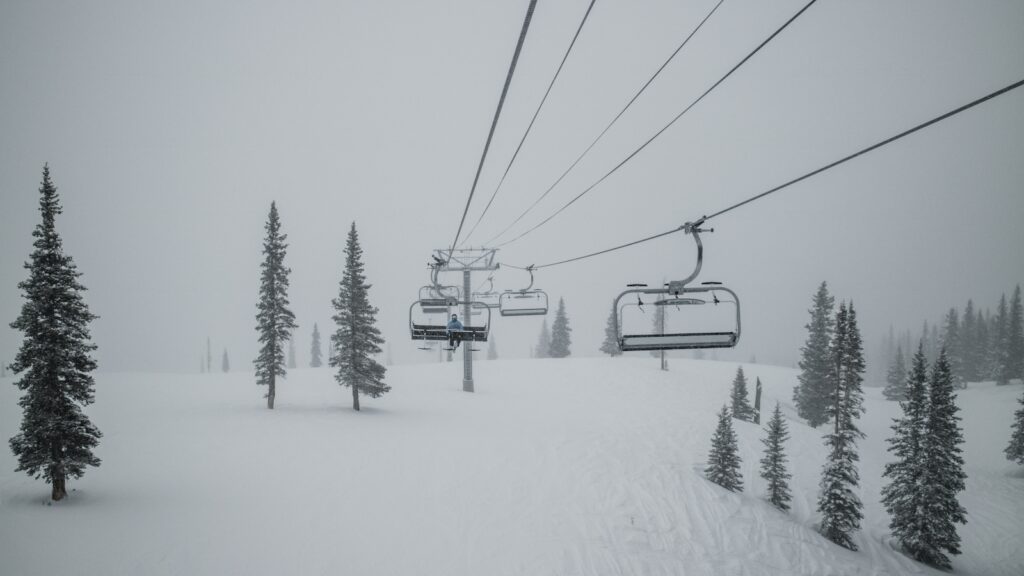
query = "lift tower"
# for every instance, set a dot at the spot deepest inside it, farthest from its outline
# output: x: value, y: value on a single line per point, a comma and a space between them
x: 467, y: 261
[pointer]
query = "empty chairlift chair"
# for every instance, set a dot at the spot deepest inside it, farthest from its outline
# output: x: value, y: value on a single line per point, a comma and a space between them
x: 438, y: 299
x: 489, y: 297
x: 525, y: 302
x: 692, y: 317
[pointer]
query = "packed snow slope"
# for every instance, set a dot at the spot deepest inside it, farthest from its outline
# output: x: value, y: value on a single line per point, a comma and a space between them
x: 567, y: 467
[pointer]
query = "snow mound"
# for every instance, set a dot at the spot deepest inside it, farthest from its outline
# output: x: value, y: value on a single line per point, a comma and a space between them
x: 574, y: 466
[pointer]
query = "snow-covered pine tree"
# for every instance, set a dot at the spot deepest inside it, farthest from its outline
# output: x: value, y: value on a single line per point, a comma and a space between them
x: 925, y: 339
x: 544, y: 342
x: 813, y: 394
x: 1014, y: 367
x: 560, y: 338
x: 724, y: 460
x: 357, y: 337
x: 291, y: 354
x: 492, y: 348
x: 991, y: 346
x: 902, y: 495
x: 953, y: 342
x: 838, y: 504
x: 970, y: 349
x: 56, y: 438
x: 1000, y: 349
x: 225, y: 364
x: 888, y: 352
x: 209, y: 356
x: 741, y: 409
x: 315, y: 360
x: 943, y: 471
x: 896, y: 379
x: 773, y: 464
x: 274, y: 319
x: 610, y: 346
x: 1015, y: 450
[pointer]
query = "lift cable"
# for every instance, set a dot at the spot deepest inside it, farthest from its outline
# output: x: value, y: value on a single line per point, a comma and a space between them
x: 829, y: 166
x: 662, y: 130
x: 532, y: 120
x: 608, y: 127
x: 494, y: 122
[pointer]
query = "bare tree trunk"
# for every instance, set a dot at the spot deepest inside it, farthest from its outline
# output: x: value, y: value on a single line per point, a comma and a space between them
x: 59, y: 492
x: 270, y: 393
x: 355, y: 397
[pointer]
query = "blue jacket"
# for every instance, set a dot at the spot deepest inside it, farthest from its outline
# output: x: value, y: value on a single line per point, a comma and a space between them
x: 454, y: 326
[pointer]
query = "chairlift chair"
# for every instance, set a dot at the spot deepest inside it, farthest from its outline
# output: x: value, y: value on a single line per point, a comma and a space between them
x: 433, y: 332
x: 682, y: 300
x: 489, y: 297
x: 526, y: 302
x: 438, y: 299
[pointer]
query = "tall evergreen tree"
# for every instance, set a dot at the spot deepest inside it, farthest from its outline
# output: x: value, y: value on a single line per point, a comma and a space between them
x: 969, y: 349
x: 896, y: 379
x: 888, y: 352
x: 209, y: 356
x: 610, y: 346
x: 225, y: 364
x: 838, y: 504
x: 1001, y: 347
x: 274, y: 318
x: 291, y: 354
x: 724, y: 460
x: 773, y: 464
x: 544, y: 342
x: 55, y: 361
x: 1015, y: 450
x: 357, y: 337
x: 979, y: 346
x: 560, y: 338
x: 813, y: 394
x: 492, y: 348
x: 1014, y: 367
x: 952, y: 341
x: 315, y: 360
x: 902, y: 496
x: 943, y: 471
x: 741, y: 409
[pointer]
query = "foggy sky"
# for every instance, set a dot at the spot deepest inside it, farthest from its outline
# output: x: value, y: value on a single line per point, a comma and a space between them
x: 170, y: 127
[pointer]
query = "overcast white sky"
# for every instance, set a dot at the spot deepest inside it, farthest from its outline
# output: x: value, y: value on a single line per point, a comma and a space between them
x: 170, y: 126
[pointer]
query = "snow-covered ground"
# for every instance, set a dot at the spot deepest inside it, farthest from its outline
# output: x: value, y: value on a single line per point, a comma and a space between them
x: 576, y: 466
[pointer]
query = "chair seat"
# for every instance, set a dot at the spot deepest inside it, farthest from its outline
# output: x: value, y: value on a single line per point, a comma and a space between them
x: 679, y: 341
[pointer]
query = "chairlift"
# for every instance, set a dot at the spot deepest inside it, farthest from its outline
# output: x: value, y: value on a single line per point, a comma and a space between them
x: 697, y: 313
x: 489, y: 297
x: 526, y: 302
x: 435, y: 298
x: 422, y: 328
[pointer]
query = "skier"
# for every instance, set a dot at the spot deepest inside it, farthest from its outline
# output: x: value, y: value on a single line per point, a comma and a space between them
x: 454, y: 332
